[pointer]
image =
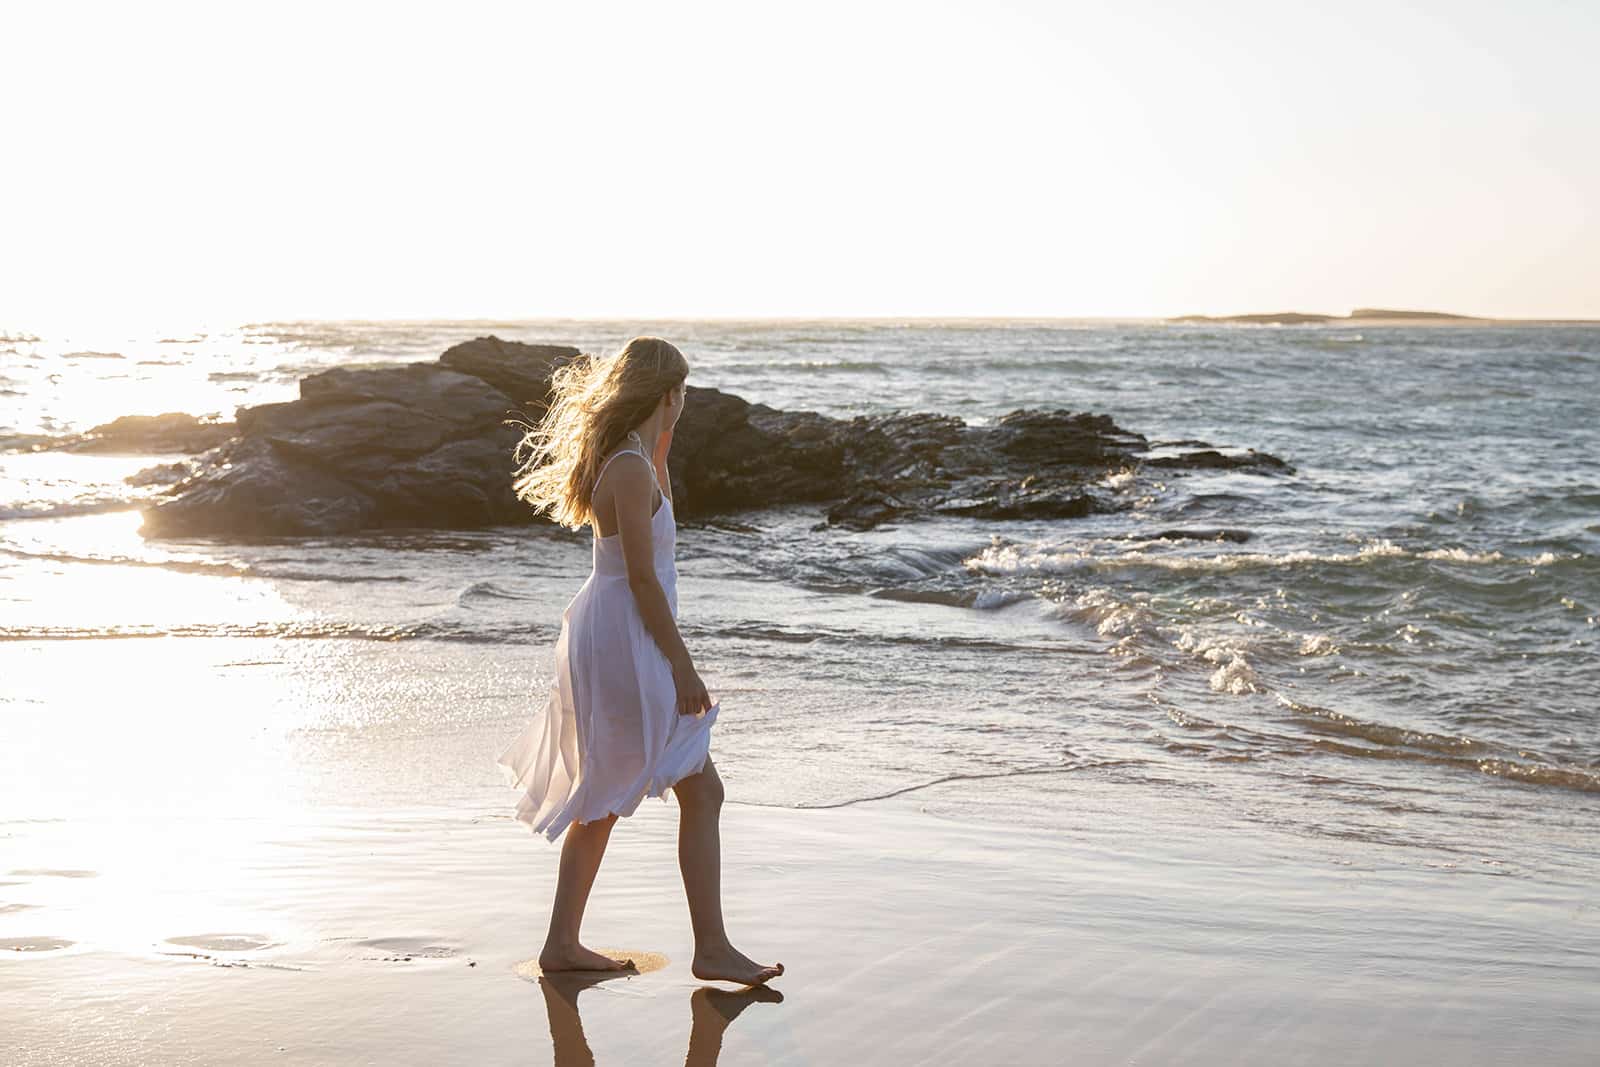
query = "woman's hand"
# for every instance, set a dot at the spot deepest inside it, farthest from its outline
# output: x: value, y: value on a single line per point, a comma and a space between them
x: 692, y: 695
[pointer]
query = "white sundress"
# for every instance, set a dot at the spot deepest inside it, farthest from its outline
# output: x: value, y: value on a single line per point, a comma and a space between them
x: 610, y: 733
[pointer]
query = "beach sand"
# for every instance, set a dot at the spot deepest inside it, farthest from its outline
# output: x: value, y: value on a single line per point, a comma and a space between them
x: 1141, y: 930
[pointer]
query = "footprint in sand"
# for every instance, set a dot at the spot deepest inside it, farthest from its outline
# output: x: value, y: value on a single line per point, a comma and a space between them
x: 224, y: 942
x: 406, y: 949
x: 643, y: 963
x: 7, y: 909
x: 34, y: 944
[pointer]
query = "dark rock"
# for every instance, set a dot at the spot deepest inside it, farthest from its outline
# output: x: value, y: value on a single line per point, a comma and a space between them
x: 1062, y: 504
x: 1055, y: 438
x: 345, y: 433
x: 1211, y: 459
x: 1236, y: 536
x: 254, y: 489
x: 521, y: 372
x: 729, y: 454
x: 161, y: 474
x: 444, y: 394
x: 866, y: 509
x: 461, y: 484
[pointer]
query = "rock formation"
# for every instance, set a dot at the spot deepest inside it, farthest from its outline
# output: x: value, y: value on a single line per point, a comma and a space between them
x: 428, y: 444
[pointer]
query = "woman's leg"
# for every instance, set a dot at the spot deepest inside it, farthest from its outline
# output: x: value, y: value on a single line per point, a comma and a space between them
x: 700, y: 799
x: 581, y: 852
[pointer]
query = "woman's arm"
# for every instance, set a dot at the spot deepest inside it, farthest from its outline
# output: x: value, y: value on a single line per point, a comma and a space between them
x: 630, y: 488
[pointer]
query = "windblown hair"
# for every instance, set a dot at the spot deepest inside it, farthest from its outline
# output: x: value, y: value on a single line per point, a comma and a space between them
x: 593, y: 404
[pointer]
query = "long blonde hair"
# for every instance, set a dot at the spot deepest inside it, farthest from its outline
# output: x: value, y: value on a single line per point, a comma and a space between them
x: 593, y: 403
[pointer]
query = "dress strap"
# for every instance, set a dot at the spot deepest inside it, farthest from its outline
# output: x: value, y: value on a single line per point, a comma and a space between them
x: 638, y: 452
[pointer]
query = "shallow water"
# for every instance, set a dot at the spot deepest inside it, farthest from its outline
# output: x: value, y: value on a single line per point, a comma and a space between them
x: 1394, y: 645
x: 1140, y: 929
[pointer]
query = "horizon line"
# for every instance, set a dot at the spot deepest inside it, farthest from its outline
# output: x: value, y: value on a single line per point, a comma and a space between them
x: 1340, y: 319
x: 912, y: 317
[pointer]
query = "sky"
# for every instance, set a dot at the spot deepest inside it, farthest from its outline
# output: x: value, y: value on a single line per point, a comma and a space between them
x: 520, y: 160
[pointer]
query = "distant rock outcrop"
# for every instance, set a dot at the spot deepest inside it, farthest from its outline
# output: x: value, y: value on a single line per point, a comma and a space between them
x: 1387, y: 313
x: 426, y: 444
x: 1374, y: 317
x: 1265, y: 318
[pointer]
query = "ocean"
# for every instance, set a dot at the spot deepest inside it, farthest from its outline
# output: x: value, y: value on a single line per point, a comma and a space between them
x: 1393, y: 649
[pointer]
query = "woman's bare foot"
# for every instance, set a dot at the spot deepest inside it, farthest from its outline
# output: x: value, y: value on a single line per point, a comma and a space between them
x: 730, y: 965
x: 579, y: 958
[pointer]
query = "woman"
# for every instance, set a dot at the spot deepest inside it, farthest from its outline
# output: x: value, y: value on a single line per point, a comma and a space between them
x: 627, y: 715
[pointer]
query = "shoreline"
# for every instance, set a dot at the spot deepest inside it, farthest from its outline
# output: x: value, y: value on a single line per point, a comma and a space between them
x: 1150, y: 928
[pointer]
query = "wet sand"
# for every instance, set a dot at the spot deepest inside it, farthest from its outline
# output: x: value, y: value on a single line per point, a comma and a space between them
x: 1140, y: 930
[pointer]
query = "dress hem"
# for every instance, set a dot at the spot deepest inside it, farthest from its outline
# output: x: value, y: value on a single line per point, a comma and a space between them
x: 553, y: 825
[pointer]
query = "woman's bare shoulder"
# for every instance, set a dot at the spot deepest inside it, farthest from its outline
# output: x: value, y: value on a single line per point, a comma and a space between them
x: 623, y: 474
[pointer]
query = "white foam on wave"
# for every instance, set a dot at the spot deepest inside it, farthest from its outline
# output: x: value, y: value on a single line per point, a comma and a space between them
x: 1317, y: 645
x: 1135, y: 620
x: 994, y: 599
x: 1011, y: 559
x: 1236, y: 677
x: 1462, y: 555
x: 56, y: 509
x: 1112, y: 617
x: 1234, y: 673
x: 1128, y: 622
x: 1118, y: 480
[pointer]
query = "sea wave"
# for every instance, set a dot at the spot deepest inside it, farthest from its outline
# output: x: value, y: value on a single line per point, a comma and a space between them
x: 56, y: 509
x: 307, y: 629
x: 182, y: 566
x: 220, y: 568
x: 1243, y: 664
x: 1384, y: 741
x: 815, y: 635
x: 1002, y: 559
x: 488, y: 590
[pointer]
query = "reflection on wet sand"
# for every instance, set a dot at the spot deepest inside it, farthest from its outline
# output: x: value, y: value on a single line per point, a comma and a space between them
x: 710, y: 1011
